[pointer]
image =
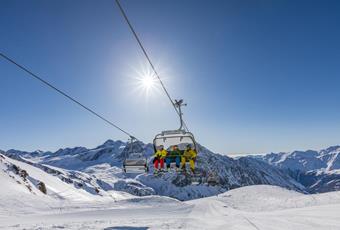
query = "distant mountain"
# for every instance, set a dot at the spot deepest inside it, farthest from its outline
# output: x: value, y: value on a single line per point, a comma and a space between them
x: 318, y: 171
x: 100, y: 167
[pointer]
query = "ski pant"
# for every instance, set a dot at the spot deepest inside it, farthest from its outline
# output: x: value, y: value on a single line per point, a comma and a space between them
x: 191, y: 162
x: 158, y: 161
x: 176, y: 159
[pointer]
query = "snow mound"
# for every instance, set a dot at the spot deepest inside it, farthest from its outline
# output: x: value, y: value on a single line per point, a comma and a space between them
x: 264, y: 198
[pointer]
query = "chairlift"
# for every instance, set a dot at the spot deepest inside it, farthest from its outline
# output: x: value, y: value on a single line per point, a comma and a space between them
x: 179, y: 137
x: 135, y: 160
x: 212, y: 179
x: 169, y: 138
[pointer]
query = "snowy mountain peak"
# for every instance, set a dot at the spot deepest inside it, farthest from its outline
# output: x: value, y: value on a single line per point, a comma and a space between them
x: 335, y: 148
x: 318, y: 171
x: 305, y: 161
x: 113, y: 144
x: 70, y: 151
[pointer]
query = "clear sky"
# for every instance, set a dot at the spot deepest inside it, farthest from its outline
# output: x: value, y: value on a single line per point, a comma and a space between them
x: 258, y: 76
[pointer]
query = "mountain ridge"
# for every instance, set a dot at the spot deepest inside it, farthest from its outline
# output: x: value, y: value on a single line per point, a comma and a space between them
x: 219, y: 173
x: 318, y: 171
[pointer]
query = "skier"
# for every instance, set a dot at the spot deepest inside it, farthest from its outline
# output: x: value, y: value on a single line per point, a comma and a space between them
x: 173, y: 156
x: 189, y: 155
x: 159, y: 157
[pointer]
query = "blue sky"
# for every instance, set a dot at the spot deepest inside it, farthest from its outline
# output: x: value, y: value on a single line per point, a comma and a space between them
x: 258, y: 76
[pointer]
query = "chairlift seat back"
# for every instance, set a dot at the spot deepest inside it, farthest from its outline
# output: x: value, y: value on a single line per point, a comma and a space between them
x: 170, y: 138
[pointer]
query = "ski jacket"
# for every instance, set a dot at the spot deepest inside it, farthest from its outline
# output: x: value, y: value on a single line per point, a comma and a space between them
x: 190, y: 153
x: 175, y: 153
x: 161, y: 153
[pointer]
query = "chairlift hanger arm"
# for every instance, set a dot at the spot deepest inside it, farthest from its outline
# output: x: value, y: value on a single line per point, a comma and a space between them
x: 179, y: 104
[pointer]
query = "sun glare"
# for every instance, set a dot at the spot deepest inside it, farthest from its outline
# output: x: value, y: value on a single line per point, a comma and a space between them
x: 147, y: 82
x: 144, y: 81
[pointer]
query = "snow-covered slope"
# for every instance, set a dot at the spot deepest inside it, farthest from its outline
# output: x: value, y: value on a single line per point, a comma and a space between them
x: 27, y: 189
x: 267, y: 207
x: 21, y: 189
x: 253, y: 207
x: 217, y: 173
x: 318, y: 171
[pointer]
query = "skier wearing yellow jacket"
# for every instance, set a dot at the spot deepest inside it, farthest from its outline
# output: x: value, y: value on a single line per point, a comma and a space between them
x: 159, y: 157
x: 189, y: 155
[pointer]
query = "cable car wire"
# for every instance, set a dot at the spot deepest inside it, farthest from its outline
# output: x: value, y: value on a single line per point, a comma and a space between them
x: 65, y: 95
x: 148, y: 58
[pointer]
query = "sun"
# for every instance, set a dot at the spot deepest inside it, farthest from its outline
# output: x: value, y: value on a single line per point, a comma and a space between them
x: 147, y: 82
x: 144, y: 81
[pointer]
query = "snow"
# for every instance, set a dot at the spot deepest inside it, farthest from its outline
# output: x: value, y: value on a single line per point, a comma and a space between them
x: 253, y: 207
x: 68, y: 206
x: 54, y: 186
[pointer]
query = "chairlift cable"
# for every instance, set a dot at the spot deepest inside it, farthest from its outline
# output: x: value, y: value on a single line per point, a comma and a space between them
x: 65, y: 95
x: 148, y: 58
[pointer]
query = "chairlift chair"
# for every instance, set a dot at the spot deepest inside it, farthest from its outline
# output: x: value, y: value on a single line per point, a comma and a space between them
x: 134, y: 159
x: 169, y: 138
x: 179, y: 137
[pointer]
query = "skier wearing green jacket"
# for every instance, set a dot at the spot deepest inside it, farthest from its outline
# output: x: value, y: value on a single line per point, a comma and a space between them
x: 174, y: 156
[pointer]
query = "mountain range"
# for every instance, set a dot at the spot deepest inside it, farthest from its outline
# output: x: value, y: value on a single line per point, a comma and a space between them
x: 317, y: 171
x: 98, y: 170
